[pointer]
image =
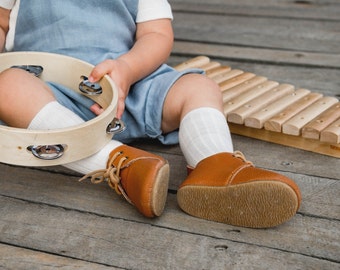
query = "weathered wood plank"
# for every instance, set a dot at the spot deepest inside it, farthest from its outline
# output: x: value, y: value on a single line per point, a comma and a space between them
x: 274, y: 33
x: 260, y: 55
x: 129, y: 244
x: 287, y: 159
x: 308, y: 9
x: 319, y: 213
x: 25, y: 259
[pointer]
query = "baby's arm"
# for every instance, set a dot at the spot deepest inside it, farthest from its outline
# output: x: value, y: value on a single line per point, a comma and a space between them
x: 154, y: 40
x: 4, y: 24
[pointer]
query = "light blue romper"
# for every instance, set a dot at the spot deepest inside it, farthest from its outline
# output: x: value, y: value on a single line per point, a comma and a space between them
x: 95, y: 30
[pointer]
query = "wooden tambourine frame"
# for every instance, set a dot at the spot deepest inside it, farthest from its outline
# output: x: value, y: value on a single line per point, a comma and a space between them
x: 59, y: 146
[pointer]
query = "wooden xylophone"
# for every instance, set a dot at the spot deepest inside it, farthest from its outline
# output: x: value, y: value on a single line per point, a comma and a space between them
x: 263, y: 109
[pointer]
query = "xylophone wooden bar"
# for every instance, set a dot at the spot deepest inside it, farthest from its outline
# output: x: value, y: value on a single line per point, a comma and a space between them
x: 331, y: 133
x: 259, y: 118
x: 314, y: 128
x: 294, y: 125
x: 225, y: 76
x: 212, y: 65
x: 216, y: 70
x: 225, y: 85
x: 228, y: 94
x: 247, y: 96
x: 240, y: 114
x: 197, y: 62
x: 263, y: 109
x: 275, y: 123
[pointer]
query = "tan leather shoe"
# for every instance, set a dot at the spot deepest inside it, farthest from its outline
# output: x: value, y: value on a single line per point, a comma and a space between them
x: 227, y: 188
x: 141, y: 177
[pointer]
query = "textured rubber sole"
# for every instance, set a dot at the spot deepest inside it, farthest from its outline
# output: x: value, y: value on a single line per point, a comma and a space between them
x: 160, y: 191
x: 258, y: 204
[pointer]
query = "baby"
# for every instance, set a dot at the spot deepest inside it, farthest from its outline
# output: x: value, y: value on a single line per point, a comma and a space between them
x: 130, y: 41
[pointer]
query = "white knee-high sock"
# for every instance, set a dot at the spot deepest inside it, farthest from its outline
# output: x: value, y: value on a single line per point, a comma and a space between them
x: 204, y: 132
x: 54, y: 116
x: 95, y: 162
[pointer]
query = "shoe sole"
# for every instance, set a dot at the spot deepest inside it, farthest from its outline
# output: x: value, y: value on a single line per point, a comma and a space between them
x: 258, y: 204
x: 160, y: 190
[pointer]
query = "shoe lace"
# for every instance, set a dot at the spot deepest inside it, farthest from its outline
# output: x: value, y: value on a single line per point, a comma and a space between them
x: 111, y: 175
x: 240, y: 155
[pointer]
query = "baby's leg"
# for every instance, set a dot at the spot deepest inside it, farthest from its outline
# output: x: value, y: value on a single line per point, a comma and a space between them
x: 222, y: 186
x: 27, y: 102
x: 194, y: 104
x: 22, y: 96
x: 190, y: 92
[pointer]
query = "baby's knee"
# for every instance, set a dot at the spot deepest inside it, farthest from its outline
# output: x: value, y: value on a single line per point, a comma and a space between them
x: 12, y: 79
x: 8, y: 81
x: 9, y: 78
x: 6, y: 78
x: 10, y: 74
x: 203, y: 85
x: 16, y: 84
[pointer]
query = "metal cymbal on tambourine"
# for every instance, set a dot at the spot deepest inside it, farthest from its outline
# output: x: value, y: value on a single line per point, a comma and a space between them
x: 60, y: 146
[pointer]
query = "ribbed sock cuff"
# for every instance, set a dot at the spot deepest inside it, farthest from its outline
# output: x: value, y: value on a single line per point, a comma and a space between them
x: 204, y: 132
x: 53, y: 116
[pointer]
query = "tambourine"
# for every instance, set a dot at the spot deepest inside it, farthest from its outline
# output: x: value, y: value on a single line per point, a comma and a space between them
x: 60, y: 146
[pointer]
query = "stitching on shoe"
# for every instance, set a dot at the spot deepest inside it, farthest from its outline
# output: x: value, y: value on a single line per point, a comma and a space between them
x: 247, y: 163
x: 129, y: 163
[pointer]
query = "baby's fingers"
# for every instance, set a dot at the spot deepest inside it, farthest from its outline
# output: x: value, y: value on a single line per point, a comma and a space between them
x: 100, y: 70
x: 96, y: 109
x: 120, y: 107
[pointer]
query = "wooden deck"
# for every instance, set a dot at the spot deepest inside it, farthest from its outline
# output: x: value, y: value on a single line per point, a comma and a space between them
x: 48, y: 220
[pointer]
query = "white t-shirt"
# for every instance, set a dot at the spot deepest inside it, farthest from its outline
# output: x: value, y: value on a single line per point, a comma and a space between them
x: 147, y: 10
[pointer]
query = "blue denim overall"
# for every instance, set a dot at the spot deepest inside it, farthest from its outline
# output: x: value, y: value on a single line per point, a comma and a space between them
x: 95, y: 30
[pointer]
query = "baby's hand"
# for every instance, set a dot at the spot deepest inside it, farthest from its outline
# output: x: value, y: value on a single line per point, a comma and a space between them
x: 118, y: 71
x: 96, y: 109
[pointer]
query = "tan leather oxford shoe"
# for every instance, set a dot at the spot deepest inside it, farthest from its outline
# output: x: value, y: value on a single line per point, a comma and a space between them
x: 141, y: 177
x: 227, y: 188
